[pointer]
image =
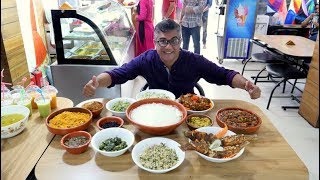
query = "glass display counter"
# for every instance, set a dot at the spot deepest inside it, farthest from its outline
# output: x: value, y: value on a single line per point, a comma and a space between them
x: 99, y: 34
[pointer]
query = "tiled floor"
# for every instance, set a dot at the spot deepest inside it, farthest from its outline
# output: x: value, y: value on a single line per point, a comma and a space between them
x: 301, y: 136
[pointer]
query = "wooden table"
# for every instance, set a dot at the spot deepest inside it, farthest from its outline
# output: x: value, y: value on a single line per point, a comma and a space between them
x: 296, y: 54
x: 270, y: 157
x: 303, y: 46
x: 19, y: 154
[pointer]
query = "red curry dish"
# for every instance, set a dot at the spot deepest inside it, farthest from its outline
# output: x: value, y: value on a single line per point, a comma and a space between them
x: 238, y: 120
x: 194, y: 102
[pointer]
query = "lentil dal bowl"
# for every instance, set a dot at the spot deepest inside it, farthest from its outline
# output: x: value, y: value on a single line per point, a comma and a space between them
x: 238, y: 120
x: 67, y: 120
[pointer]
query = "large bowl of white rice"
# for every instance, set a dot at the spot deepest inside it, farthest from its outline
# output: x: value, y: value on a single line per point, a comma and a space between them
x: 156, y: 116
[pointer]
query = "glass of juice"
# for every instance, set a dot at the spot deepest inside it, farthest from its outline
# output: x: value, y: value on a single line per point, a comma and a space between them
x: 25, y: 101
x: 43, y: 103
x: 52, y: 91
x: 32, y: 91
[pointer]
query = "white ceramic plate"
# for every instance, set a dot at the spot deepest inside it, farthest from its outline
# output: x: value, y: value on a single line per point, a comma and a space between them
x: 155, y: 93
x: 215, y: 130
x: 142, y: 145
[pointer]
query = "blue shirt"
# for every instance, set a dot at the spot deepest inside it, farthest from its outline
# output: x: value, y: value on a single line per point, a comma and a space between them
x: 184, y: 74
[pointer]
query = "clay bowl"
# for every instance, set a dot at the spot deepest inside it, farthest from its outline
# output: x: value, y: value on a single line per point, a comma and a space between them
x: 193, y: 125
x: 107, y: 119
x: 64, y: 131
x: 152, y: 129
x: 76, y: 149
x: 237, y: 129
x: 95, y: 107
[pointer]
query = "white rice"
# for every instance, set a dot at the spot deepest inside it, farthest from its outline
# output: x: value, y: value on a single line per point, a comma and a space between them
x: 156, y: 114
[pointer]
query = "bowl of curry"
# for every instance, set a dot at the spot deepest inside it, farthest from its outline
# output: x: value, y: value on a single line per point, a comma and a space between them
x: 196, y: 104
x: 238, y: 120
x: 67, y: 120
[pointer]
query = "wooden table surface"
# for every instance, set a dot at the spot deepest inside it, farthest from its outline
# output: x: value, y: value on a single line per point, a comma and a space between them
x: 19, y: 154
x: 303, y: 46
x: 269, y: 157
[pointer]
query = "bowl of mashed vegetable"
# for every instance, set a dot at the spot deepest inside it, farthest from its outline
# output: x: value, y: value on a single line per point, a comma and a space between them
x: 118, y: 106
x: 14, y: 119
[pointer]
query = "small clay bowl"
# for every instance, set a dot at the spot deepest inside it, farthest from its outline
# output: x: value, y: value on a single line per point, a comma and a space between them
x: 96, y: 111
x: 77, y: 149
x: 193, y: 126
x: 109, y: 119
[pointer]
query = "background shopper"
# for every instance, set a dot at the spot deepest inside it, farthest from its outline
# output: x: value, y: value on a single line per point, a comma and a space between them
x: 143, y: 17
x: 191, y: 21
x: 205, y: 23
x: 169, y: 9
x: 313, y: 21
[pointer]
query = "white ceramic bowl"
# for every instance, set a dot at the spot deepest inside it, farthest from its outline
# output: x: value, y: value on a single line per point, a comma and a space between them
x: 155, y: 93
x: 15, y: 128
x: 215, y: 130
x: 121, y: 114
x: 140, y: 147
x: 105, y: 134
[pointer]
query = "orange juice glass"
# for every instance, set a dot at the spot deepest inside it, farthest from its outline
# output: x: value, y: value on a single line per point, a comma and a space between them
x: 32, y: 91
x: 52, y: 91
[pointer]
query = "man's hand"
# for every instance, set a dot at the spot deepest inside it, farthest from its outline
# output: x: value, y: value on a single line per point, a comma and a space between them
x: 253, y: 90
x: 90, y: 88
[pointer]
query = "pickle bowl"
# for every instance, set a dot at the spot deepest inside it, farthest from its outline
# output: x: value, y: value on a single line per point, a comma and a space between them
x: 76, y: 142
x: 99, y: 139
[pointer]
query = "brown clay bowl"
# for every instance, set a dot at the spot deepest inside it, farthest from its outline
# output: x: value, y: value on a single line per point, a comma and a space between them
x: 107, y: 119
x: 64, y: 131
x: 238, y: 129
x: 192, y: 126
x: 95, y: 111
x: 79, y: 149
x: 156, y: 130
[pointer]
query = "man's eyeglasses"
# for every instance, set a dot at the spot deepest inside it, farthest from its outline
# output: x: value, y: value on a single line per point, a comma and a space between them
x: 163, y: 42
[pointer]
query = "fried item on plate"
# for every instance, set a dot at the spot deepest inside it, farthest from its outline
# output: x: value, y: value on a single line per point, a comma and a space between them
x: 290, y: 43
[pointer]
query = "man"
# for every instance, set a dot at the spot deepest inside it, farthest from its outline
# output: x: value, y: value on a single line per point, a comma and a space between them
x: 191, y: 21
x: 313, y: 20
x: 169, y: 9
x: 171, y: 68
x: 205, y: 23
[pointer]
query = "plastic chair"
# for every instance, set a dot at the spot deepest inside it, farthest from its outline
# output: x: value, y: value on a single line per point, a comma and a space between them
x: 294, y: 32
x: 286, y: 72
x: 264, y: 57
x: 197, y: 86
